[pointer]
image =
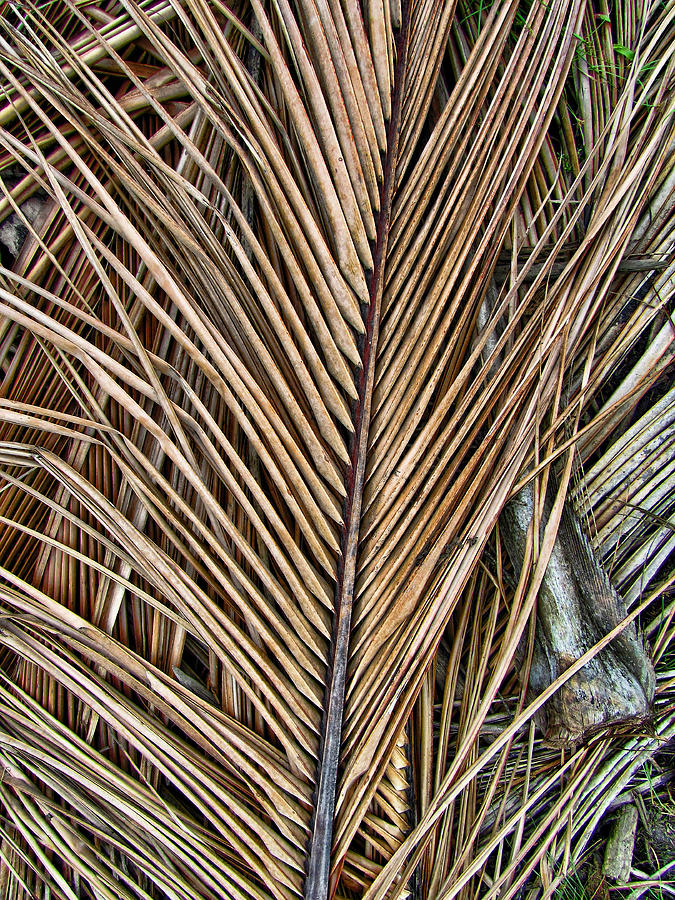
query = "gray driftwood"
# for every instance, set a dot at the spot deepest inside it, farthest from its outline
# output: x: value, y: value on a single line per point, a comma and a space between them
x: 619, y: 850
x: 14, y: 227
x: 577, y: 606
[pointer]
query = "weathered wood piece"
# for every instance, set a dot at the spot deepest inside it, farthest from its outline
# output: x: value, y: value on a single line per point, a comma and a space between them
x: 631, y: 262
x: 577, y: 606
x: 13, y: 231
x: 619, y: 850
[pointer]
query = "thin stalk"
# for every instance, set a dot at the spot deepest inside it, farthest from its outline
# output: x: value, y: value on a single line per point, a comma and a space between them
x: 317, y: 885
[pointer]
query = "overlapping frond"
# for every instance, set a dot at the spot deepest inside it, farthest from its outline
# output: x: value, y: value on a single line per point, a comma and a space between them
x: 308, y: 290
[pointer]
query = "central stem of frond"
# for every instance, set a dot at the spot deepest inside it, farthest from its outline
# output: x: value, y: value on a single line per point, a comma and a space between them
x: 318, y: 884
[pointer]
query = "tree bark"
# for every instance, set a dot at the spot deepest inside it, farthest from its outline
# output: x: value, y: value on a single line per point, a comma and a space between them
x: 577, y: 606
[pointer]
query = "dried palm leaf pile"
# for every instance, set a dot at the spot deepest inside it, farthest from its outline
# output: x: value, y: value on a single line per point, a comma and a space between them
x: 297, y: 297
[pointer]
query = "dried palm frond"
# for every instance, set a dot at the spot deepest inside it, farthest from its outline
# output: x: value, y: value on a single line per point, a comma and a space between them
x: 308, y: 291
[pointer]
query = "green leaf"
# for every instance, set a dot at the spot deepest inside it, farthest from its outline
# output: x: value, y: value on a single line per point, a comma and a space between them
x: 624, y: 51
